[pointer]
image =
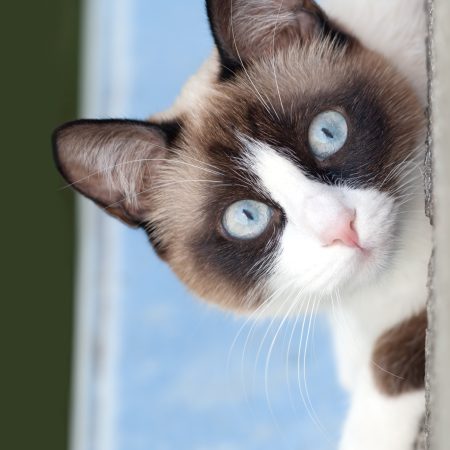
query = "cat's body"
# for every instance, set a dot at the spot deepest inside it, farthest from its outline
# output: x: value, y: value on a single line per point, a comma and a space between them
x: 343, y: 227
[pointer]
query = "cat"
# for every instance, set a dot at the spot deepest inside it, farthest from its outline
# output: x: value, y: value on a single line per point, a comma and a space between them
x: 287, y: 174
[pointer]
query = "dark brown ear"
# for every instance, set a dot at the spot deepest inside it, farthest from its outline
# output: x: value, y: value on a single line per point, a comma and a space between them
x: 112, y: 162
x: 249, y: 29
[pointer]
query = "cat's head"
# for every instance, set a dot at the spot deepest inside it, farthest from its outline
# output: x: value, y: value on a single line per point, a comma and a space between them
x: 279, y: 174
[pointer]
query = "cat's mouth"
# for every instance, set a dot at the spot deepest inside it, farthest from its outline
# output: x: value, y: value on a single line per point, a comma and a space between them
x: 365, y: 252
x: 361, y: 248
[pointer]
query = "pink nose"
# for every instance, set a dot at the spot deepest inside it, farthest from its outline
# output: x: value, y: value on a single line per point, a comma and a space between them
x: 342, y: 231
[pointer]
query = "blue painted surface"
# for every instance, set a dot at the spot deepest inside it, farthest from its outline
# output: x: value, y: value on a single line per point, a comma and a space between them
x: 182, y: 383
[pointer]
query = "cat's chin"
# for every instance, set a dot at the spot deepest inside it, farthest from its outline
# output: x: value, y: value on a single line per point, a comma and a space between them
x: 353, y: 270
x: 364, y: 267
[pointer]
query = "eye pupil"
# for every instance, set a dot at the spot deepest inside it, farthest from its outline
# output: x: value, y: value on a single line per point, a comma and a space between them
x: 248, y: 214
x: 327, y: 133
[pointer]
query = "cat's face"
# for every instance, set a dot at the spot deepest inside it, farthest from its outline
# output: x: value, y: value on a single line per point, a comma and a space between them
x: 281, y: 179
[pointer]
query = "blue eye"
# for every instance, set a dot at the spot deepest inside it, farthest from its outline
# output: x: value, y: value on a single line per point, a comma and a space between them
x: 246, y: 219
x: 327, y: 134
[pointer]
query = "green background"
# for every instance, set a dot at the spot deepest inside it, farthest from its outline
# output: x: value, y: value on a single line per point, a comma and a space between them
x: 39, y: 71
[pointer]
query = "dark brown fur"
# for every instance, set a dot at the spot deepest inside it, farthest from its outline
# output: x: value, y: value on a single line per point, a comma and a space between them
x: 399, y: 357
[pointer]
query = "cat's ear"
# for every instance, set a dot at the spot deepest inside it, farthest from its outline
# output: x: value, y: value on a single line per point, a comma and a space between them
x: 247, y: 29
x: 113, y: 162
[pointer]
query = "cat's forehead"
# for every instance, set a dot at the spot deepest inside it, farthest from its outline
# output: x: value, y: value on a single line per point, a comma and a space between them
x: 279, y: 95
x: 301, y: 73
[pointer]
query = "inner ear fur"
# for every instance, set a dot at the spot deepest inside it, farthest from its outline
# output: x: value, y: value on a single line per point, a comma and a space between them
x: 245, y: 30
x: 113, y: 162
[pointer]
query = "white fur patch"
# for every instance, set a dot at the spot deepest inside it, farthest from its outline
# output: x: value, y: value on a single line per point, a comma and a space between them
x: 378, y: 422
x: 305, y: 264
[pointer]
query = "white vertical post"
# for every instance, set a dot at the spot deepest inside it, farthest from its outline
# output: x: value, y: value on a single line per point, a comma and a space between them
x: 440, y: 360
